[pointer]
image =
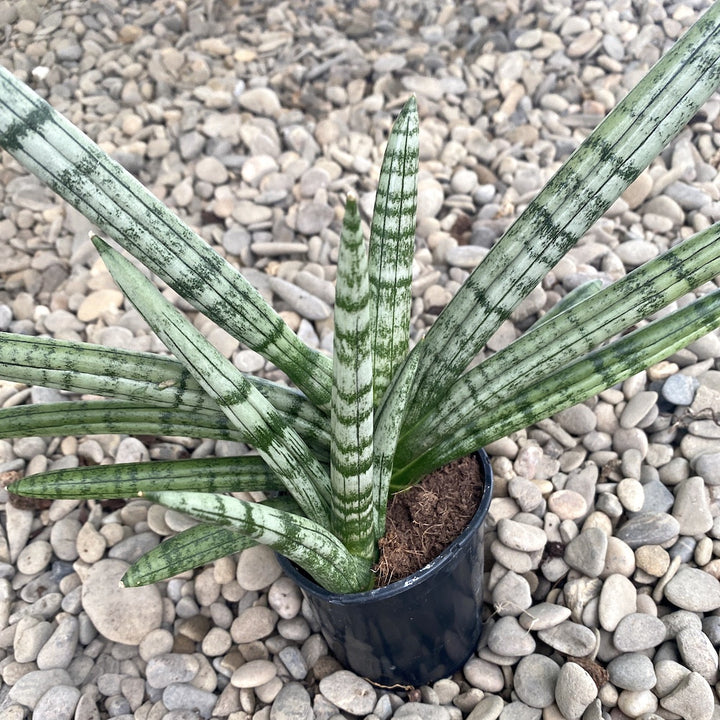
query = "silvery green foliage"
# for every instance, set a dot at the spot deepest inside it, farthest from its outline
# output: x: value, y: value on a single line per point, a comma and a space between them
x: 379, y: 415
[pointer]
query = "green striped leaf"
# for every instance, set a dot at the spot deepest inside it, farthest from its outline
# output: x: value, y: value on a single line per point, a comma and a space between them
x: 597, y: 173
x: 49, y: 146
x: 390, y: 416
x: 567, y: 336
x: 143, y: 378
x: 303, y: 541
x: 261, y: 425
x: 192, y: 548
x: 573, y: 384
x: 351, y: 415
x: 97, y: 417
x: 392, y: 248
x: 102, y: 482
x: 574, y: 297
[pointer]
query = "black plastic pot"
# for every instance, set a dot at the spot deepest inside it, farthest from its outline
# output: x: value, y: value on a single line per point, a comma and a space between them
x: 416, y: 630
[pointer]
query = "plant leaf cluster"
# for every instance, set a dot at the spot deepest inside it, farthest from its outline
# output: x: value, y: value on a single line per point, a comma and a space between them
x: 378, y: 415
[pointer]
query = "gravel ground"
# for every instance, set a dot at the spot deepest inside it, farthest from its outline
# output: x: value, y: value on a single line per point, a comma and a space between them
x: 251, y: 120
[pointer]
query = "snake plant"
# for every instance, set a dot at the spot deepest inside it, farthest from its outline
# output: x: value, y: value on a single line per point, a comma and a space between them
x: 377, y: 415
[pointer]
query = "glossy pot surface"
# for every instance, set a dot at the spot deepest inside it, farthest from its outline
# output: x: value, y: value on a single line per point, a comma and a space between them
x: 416, y: 630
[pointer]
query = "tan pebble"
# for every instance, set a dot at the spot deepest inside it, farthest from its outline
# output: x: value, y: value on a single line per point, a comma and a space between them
x: 652, y: 559
x: 567, y: 504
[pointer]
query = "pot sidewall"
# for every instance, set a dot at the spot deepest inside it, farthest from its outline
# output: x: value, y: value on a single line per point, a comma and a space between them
x: 416, y: 630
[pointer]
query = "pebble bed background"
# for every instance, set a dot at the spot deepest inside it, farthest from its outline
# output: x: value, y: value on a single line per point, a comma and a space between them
x: 251, y: 120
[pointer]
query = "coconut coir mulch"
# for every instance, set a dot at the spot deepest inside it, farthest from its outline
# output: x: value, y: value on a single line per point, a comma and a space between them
x: 423, y: 520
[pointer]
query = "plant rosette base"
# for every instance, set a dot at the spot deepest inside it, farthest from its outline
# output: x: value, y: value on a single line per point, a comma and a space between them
x: 418, y: 629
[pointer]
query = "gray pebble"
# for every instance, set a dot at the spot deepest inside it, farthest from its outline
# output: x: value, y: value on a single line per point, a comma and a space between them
x: 680, y: 389
x: 618, y: 598
x: 484, y: 675
x: 535, y: 679
x: 707, y: 465
x: 349, y: 692
x: 292, y: 703
x: 632, y: 671
x: 638, y: 631
x: 521, y: 536
x: 520, y: 711
x: 181, y: 697
x: 305, y: 304
x: 658, y: 499
x: 60, y: 647
x: 508, y: 638
x: 698, y: 653
x: 569, y: 638
x: 692, y: 507
x: 164, y: 670
x: 31, y: 633
x: 511, y: 595
x: 648, y: 528
x: 692, y: 699
x: 294, y: 661
x: 695, y: 590
x: 58, y: 703
x: 33, y: 685
x: 423, y: 711
x: 574, y: 691
x: 586, y: 553
x: 543, y: 616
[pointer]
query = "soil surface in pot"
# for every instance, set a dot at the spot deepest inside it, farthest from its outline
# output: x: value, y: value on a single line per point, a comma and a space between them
x: 423, y: 520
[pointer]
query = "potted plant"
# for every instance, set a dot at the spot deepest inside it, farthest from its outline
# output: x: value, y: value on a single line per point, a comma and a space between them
x: 378, y: 416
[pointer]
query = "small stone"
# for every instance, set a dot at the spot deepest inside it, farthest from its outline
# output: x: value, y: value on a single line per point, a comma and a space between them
x: 508, y: 638
x: 29, y: 688
x: 577, y: 420
x: 543, y: 616
x: 261, y: 101
x: 574, y: 691
x: 59, y: 649
x: 693, y: 589
x: 284, y: 597
x: 58, y: 703
x: 692, y: 507
x: 649, y: 528
x: 34, y: 558
x: 123, y: 615
x: 680, y: 389
x: 586, y: 553
x: 253, y: 674
x: 634, y: 253
x: 292, y: 703
x: 257, y: 568
x: 211, y: 170
x: 567, y: 504
x: 484, y: 675
x: 305, y: 304
x: 535, y: 679
x: 632, y: 671
x: 692, y: 699
x: 521, y: 536
x: 511, y: 595
x: 253, y: 624
x: 349, y: 692
x: 698, y: 653
x: 180, y: 696
x: 98, y: 302
x: 292, y: 658
x: 618, y: 598
x: 638, y: 631
x: 631, y: 494
x: 569, y: 638
x: 169, y: 668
